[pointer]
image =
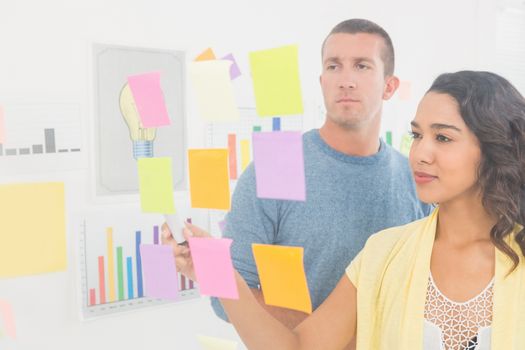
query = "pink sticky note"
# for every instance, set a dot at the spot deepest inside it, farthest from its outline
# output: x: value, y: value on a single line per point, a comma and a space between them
x: 404, y: 91
x: 279, y: 165
x: 159, y: 271
x: 149, y: 99
x: 234, y: 68
x: 213, y: 267
x: 6, y: 312
x: 2, y: 125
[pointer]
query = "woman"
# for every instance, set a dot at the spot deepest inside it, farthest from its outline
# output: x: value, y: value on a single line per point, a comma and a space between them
x: 454, y: 280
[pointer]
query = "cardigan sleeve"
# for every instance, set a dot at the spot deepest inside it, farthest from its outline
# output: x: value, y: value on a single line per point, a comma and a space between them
x: 353, y: 270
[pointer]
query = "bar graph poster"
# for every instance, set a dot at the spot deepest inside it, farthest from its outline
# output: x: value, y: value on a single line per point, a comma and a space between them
x: 41, y: 138
x: 237, y: 136
x: 111, y: 279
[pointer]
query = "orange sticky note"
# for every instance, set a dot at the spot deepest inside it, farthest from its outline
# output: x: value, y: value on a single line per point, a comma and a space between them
x: 209, y: 183
x: 282, y: 276
x: 206, y: 55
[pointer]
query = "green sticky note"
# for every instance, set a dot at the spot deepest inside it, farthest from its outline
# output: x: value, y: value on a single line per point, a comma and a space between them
x: 156, y: 185
x: 389, y: 137
x: 276, y: 84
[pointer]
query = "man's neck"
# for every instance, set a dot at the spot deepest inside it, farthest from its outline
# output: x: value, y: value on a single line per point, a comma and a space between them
x: 361, y: 142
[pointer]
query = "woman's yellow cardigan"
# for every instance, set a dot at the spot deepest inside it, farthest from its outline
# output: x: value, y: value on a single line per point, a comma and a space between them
x: 391, y: 276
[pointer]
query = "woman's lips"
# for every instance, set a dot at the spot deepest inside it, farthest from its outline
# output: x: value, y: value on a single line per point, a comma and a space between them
x: 423, y: 178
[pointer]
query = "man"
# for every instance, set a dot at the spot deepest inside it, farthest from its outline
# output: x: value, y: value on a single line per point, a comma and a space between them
x: 356, y: 184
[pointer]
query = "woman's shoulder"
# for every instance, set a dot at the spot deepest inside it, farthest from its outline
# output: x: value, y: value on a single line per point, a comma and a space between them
x: 388, y: 238
x: 384, y: 248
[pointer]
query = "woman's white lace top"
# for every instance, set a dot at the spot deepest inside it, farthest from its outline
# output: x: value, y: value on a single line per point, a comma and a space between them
x: 451, y: 325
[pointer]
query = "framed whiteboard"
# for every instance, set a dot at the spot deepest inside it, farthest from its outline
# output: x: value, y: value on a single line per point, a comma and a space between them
x: 115, y: 168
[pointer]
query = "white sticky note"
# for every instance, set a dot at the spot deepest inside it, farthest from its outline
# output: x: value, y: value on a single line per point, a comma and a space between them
x: 213, y: 90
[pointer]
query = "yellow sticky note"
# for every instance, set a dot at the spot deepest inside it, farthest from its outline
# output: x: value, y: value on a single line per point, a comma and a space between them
x: 276, y: 83
x: 212, y: 343
x: 32, y: 229
x: 406, y: 143
x: 282, y: 276
x: 214, y: 90
x: 209, y: 182
x: 245, y: 154
x: 206, y: 55
x: 156, y: 185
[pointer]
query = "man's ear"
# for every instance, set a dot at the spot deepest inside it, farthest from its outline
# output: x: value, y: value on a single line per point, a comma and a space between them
x: 391, y: 85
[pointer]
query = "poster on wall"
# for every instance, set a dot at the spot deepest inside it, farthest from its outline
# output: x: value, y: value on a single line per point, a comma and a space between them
x: 41, y: 138
x: 111, y: 268
x: 120, y: 133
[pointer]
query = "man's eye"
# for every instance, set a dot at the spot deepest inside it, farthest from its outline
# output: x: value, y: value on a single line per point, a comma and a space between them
x: 361, y: 66
x: 331, y: 67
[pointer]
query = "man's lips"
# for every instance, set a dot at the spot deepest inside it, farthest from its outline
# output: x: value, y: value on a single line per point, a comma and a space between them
x: 347, y: 100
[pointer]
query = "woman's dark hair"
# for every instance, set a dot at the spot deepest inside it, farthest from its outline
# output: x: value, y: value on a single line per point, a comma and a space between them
x: 494, y: 111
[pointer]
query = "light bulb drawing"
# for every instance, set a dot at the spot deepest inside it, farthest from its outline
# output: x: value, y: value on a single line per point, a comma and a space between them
x: 142, y: 138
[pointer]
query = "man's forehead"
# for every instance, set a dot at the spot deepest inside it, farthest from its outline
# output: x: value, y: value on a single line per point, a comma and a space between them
x: 353, y: 46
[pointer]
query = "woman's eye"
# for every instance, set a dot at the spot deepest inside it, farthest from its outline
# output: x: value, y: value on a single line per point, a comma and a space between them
x: 414, y: 135
x: 442, y: 138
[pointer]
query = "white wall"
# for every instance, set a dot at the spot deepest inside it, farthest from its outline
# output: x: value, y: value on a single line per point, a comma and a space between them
x: 45, y: 57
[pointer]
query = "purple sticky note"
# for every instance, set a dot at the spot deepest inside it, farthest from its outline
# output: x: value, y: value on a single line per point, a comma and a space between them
x: 279, y: 165
x: 234, y: 68
x: 213, y: 267
x: 222, y: 225
x: 159, y: 271
x: 149, y: 99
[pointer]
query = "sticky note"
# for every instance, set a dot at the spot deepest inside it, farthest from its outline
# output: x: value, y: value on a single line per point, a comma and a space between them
x: 282, y: 276
x: 8, y: 318
x: 206, y: 55
x: 222, y: 225
x: 279, y: 165
x: 156, y: 185
x: 212, y: 343
x: 405, y: 90
x: 388, y: 137
x: 2, y: 125
x: 209, y: 183
x: 149, y: 99
x: 213, y: 267
x: 276, y: 83
x: 245, y: 154
x: 159, y: 271
x: 406, y: 143
x: 32, y: 229
x: 234, y: 68
x: 232, y: 155
x: 213, y: 90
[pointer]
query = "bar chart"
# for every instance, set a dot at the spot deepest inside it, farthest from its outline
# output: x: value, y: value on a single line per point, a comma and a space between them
x: 41, y: 137
x: 237, y: 137
x: 110, y: 262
